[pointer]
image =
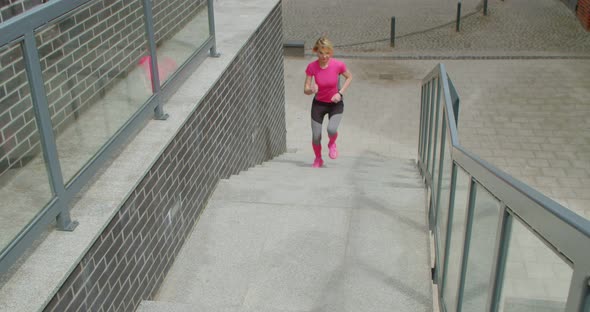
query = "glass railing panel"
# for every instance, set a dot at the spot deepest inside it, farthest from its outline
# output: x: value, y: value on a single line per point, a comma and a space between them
x: 445, y: 191
x: 486, y: 214
x: 427, y: 126
x: 428, y: 120
x: 536, y: 278
x: 24, y: 182
x: 435, y: 111
x: 180, y: 27
x: 11, y: 9
x: 93, y: 82
x: 438, y: 146
x: 421, y: 124
x: 457, y: 224
x: 436, y: 152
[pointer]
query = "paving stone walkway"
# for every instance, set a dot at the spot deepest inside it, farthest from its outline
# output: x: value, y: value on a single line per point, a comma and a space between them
x: 428, y: 27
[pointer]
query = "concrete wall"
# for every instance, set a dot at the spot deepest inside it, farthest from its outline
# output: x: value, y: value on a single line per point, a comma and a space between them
x: 240, y: 122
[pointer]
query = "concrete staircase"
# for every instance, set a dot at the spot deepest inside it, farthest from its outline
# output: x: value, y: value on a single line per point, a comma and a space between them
x: 283, y: 236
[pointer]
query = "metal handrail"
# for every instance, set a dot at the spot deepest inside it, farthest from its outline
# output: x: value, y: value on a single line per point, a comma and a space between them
x: 563, y: 231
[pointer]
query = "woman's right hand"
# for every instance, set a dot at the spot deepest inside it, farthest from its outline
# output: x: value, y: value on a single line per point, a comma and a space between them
x: 314, y: 88
x: 310, y: 87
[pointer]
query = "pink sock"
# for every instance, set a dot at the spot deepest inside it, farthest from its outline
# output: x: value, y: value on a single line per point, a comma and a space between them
x: 333, y: 138
x: 317, y: 150
x: 332, y: 146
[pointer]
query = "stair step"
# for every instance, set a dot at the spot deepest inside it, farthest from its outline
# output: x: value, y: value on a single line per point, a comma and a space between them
x: 379, y: 174
x: 345, y: 159
x: 165, y: 306
x: 162, y: 306
x: 381, y: 170
x: 393, y: 194
x: 286, y: 237
x: 328, y: 180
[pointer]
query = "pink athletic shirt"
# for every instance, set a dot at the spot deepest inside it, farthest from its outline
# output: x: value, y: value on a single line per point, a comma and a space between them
x: 326, y: 78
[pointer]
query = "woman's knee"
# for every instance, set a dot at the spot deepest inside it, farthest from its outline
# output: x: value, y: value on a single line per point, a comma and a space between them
x: 332, y: 129
x: 316, y: 140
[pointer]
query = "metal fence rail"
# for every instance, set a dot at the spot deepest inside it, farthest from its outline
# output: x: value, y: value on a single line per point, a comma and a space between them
x: 24, y: 34
x: 499, y: 244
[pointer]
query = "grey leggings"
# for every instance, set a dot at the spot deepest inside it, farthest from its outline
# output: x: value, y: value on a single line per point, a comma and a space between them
x: 318, y: 111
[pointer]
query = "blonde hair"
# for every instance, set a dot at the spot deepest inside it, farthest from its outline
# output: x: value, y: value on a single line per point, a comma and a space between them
x: 323, y: 43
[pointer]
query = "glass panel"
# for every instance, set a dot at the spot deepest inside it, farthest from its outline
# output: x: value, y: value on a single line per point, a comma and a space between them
x: 10, y: 9
x: 438, y: 123
x: 180, y: 27
x: 445, y: 192
x: 536, y: 279
x: 89, y: 60
x: 426, y: 124
x: 24, y: 183
x: 433, y: 128
x: 457, y: 224
x: 421, y: 131
x: 481, y: 250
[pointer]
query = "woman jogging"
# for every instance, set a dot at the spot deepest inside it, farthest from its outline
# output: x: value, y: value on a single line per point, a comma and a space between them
x: 322, y: 77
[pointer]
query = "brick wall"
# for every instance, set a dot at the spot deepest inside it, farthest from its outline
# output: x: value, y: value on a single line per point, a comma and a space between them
x: 18, y: 131
x: 81, y: 57
x: 239, y: 123
x: 583, y: 13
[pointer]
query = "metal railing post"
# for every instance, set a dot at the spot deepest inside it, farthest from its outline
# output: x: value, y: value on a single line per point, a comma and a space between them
x: 466, y: 241
x: 501, y: 254
x: 392, y: 38
x: 587, y: 304
x: 458, y: 26
x: 213, y: 51
x: 450, y: 216
x: 578, y: 295
x: 153, y: 62
x: 46, y: 136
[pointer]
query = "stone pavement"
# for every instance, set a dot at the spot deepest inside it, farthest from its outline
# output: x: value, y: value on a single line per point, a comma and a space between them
x: 427, y: 27
x: 521, y: 73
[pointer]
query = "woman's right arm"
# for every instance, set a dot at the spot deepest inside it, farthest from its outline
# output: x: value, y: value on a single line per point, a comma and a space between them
x: 309, y: 88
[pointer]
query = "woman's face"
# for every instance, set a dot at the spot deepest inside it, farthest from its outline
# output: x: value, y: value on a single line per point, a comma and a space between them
x: 324, y: 55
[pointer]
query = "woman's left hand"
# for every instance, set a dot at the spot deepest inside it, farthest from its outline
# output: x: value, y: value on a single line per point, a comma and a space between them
x: 336, y: 98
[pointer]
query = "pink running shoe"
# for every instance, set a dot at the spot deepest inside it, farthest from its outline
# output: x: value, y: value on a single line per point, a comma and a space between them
x: 333, y: 151
x: 318, y: 162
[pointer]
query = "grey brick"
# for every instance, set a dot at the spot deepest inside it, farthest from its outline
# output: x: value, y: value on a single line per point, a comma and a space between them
x: 26, y: 132
x: 95, y: 297
x: 17, y: 81
x: 13, y: 126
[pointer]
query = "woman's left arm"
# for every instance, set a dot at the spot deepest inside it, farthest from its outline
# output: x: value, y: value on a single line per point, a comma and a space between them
x: 348, y: 77
x: 338, y: 96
